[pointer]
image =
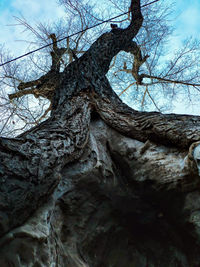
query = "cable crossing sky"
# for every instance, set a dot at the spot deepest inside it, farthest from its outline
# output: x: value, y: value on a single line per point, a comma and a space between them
x: 59, y: 40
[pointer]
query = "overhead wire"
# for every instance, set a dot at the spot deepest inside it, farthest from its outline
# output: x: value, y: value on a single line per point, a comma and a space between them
x: 71, y: 35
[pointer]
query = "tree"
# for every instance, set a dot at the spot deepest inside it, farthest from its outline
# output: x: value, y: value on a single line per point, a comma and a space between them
x: 98, y: 183
x: 151, y: 77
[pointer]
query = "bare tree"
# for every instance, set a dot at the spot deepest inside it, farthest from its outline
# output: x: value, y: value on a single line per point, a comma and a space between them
x: 99, y: 183
x: 148, y: 77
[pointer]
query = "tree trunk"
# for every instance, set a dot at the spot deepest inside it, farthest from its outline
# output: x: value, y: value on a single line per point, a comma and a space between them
x: 98, y: 183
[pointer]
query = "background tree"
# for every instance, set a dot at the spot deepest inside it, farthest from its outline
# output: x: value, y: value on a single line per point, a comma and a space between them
x: 99, y: 183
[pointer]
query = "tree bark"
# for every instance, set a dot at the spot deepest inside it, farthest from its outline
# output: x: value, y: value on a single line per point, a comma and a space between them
x: 98, y: 183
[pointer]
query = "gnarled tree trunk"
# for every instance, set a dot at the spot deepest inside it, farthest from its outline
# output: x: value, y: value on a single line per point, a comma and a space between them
x: 98, y: 183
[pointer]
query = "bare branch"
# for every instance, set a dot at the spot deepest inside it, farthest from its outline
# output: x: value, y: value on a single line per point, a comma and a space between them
x: 170, y: 81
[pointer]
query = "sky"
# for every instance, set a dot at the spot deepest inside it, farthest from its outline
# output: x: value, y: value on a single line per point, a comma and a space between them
x: 188, y: 20
x: 186, y: 23
x: 33, y: 11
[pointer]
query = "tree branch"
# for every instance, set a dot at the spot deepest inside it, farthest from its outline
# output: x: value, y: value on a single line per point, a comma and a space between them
x: 46, y: 84
x: 135, y: 50
x: 171, y: 129
x: 22, y: 93
x: 110, y: 44
x: 169, y: 80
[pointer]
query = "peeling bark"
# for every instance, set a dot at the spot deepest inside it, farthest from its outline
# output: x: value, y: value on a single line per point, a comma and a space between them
x: 98, y: 183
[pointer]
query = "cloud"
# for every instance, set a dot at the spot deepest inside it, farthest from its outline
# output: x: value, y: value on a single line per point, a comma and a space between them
x: 38, y: 10
x: 187, y: 22
x: 190, y: 20
x: 33, y: 11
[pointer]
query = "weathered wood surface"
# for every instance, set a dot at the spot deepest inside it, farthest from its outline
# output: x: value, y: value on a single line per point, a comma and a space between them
x: 98, y: 183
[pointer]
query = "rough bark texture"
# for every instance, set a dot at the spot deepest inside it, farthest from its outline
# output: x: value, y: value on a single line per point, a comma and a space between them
x: 99, y: 184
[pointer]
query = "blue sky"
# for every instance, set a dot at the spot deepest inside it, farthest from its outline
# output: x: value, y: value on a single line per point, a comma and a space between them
x: 33, y: 11
x: 186, y: 22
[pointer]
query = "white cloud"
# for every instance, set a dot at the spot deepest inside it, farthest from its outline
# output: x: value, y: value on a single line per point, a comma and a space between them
x: 187, y: 22
x: 38, y: 10
x: 190, y: 21
x: 34, y: 12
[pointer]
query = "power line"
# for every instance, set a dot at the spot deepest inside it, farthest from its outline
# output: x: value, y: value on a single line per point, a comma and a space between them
x: 42, y: 47
x: 59, y: 40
